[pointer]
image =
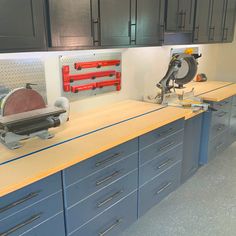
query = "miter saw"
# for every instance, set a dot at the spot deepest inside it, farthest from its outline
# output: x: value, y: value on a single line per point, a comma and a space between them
x: 24, y: 114
x: 173, y: 81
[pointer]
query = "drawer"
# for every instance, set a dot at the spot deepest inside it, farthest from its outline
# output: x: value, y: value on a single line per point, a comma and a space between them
x: 30, y: 217
x: 54, y: 226
x: 113, y: 221
x: 101, y: 201
x: 160, y: 147
x: 161, y: 133
x: 153, y: 168
x: 226, y: 104
x: 218, y: 145
x: 98, y: 162
x: 234, y: 101
x: 158, y: 188
x: 29, y: 195
x: 99, y: 180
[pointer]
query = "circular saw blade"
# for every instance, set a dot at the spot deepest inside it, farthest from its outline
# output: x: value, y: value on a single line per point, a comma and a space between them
x: 22, y: 100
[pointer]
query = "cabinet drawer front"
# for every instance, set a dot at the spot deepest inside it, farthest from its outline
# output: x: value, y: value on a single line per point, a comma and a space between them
x: 101, y: 201
x: 113, y: 221
x: 98, y: 162
x: 218, y: 145
x: 225, y: 105
x: 220, y: 122
x: 153, y: 168
x: 161, y: 133
x: 29, y: 195
x: 98, y: 181
x: 234, y: 100
x: 53, y: 226
x: 30, y: 217
x: 157, y: 189
x: 161, y: 147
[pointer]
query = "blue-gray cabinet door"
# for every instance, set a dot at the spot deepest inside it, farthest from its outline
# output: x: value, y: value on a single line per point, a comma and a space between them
x: 229, y: 24
x: 73, y: 23
x: 150, y: 22
x: 22, y: 25
x: 192, y: 139
x: 115, y: 22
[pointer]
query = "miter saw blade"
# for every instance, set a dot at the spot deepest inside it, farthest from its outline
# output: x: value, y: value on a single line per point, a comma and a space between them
x: 21, y: 100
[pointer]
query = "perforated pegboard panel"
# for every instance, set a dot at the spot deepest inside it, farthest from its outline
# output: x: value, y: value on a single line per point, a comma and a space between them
x: 71, y: 60
x: 15, y: 73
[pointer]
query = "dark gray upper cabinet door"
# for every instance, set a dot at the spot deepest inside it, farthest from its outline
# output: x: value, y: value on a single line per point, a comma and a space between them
x: 180, y: 15
x: 115, y: 22
x: 22, y: 25
x: 202, y: 21
x: 150, y: 22
x: 73, y: 22
x: 217, y: 21
x: 229, y: 25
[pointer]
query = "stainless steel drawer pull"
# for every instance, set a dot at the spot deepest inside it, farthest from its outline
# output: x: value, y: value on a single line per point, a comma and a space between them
x: 164, y: 188
x: 21, y: 225
x: 99, y: 163
x: 166, y: 146
x: 117, y: 222
x: 20, y: 201
x: 164, y: 164
x: 221, y: 114
x: 169, y: 131
x: 113, y: 175
x: 109, y: 199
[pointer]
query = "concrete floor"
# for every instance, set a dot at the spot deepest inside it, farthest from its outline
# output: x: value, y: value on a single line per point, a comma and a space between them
x: 204, y: 206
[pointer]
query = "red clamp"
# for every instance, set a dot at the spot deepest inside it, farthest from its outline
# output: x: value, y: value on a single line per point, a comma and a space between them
x: 67, y: 78
x: 96, y: 64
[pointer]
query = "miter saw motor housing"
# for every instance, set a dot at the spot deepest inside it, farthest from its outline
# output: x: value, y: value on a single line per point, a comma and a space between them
x: 24, y: 115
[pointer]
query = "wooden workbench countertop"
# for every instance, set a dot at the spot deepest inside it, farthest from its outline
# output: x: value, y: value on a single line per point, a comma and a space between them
x: 121, y: 122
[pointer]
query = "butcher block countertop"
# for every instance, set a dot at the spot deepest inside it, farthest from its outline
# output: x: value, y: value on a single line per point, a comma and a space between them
x: 90, y: 133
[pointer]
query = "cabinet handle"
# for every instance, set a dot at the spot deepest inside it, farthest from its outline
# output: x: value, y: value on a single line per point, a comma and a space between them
x: 225, y: 34
x: 166, y: 146
x: 21, y: 225
x: 196, y: 33
x: 130, y: 31
x: 220, y: 128
x: 115, y: 224
x: 164, y: 188
x: 110, y: 158
x: 212, y: 33
x: 162, y: 33
x: 109, y: 199
x: 222, y: 114
x: 180, y: 18
x: 166, y: 132
x: 102, y: 181
x: 164, y: 164
x: 20, y: 201
x: 184, y: 17
x: 95, y: 22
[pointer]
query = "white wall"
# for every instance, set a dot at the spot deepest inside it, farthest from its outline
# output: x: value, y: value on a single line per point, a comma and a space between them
x: 142, y: 68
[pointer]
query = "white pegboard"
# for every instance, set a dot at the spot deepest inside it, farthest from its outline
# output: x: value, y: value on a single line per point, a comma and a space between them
x: 70, y: 60
x: 15, y: 73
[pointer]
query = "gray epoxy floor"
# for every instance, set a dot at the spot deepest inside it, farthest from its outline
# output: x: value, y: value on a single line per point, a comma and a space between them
x: 204, y: 206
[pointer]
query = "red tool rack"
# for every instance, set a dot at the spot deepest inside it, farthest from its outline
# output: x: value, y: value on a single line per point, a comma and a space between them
x: 68, y: 78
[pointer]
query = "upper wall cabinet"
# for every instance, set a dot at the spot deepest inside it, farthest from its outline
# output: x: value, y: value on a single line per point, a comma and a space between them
x: 229, y: 24
x: 73, y: 23
x: 150, y: 22
x: 214, y: 21
x: 202, y: 21
x: 115, y: 22
x: 180, y: 15
x: 217, y: 20
x: 22, y: 25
